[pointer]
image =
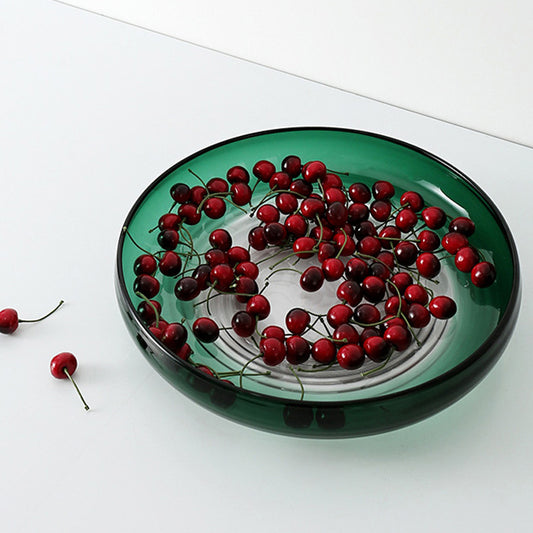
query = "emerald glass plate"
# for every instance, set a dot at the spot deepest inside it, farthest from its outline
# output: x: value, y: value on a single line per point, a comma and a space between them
x: 453, y: 357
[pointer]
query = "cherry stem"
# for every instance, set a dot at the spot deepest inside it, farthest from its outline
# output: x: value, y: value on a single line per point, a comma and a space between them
x: 126, y: 231
x: 318, y: 368
x: 198, y: 177
x: 299, y: 382
x: 47, y: 315
x: 337, y: 172
x: 383, y: 365
x: 76, y: 387
x: 280, y: 269
x: 343, y: 244
x: 245, y: 366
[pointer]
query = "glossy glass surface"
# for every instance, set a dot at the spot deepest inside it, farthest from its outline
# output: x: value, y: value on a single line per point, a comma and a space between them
x: 459, y: 354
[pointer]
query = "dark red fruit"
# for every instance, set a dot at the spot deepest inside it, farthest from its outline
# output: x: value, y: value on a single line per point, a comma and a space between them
x: 170, y: 264
x: 405, y: 253
x: 366, y: 314
x: 292, y: 165
x: 324, y: 351
x: 268, y: 213
x: 297, y: 320
x: 406, y: 220
x: 377, y: 348
x: 358, y: 213
x: 373, y: 289
x: 287, y: 202
x: 389, y: 236
x: 333, y: 269
x: 9, y: 321
x: 462, y: 225
x: 296, y: 225
x: 311, y: 207
x: 243, y: 324
x: 398, y: 336
x: 483, y: 274
x: 401, y: 280
x: 434, y: 217
x: 428, y: 265
x: 174, y: 336
x: 416, y: 294
x: 359, y: 192
x: 344, y: 243
x: 345, y: 334
x: 238, y: 254
x: 350, y: 292
x: 168, y: 239
x: 356, y: 269
x: 298, y: 350
x: 312, y: 279
x: 380, y: 210
x: 412, y: 200
x: 428, y: 240
x: 258, y: 306
x: 187, y: 288
x: 337, y: 214
x: 418, y: 316
x: 314, y: 171
x: 62, y: 366
x: 275, y: 233
x: 466, y: 258
x: 205, y: 329
x: 180, y: 193
x: 263, y: 170
x: 333, y: 195
x: 248, y: 269
x: 274, y: 331
x: 215, y: 207
x: 382, y: 190
x: 147, y: 285
x: 453, y: 242
x: 245, y: 288
x: 221, y: 239
x: 189, y: 214
x: 369, y: 246
x: 273, y: 351
x: 215, y: 257
x: 257, y: 239
x: 303, y: 247
x: 238, y: 174
x: 280, y: 180
x: 202, y: 275
x: 145, y: 264
x: 169, y: 221
x: 442, y: 307
x: 350, y: 356
x: 222, y: 275
x: 198, y: 193
x: 339, y: 314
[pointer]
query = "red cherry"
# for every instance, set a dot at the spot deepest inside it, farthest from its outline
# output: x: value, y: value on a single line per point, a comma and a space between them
x: 287, y: 202
x: 399, y: 337
x: 298, y: 350
x: 389, y: 236
x: 350, y: 356
x: 146, y: 285
x: 331, y: 181
x: 380, y: 210
x: 366, y: 314
x: 312, y: 279
x: 339, y: 314
x: 364, y: 229
x: 9, y: 320
x: 337, y: 214
x: 174, y: 336
x: 202, y: 275
x: 405, y: 253
x: 273, y: 351
x: 169, y: 221
x: 223, y: 276
x: 332, y: 195
x: 149, y: 311
x: 263, y: 170
x: 184, y: 352
x: 413, y: 200
x: 401, y: 280
x: 296, y: 225
x: 391, y: 320
x: 303, y: 247
x: 377, y: 348
x: 369, y: 246
x: 292, y: 165
x: 483, y: 274
x: 466, y: 258
x: 382, y: 190
x: 248, y: 269
x: 406, y: 220
x: 189, y: 214
x: 257, y: 239
x: 238, y: 254
x: 275, y: 233
x: 359, y: 192
x: 301, y: 187
x: 350, y: 292
x: 280, y: 180
x: 434, y: 217
x: 428, y: 241
x: 358, y: 213
x: 241, y: 193
x: 258, y: 306
x: 324, y: 351
x: 205, y: 329
x: 274, y: 331
x: 333, y: 269
x: 168, y: 239
x: 180, y: 193
x: 238, y: 174
x: 442, y: 307
x: 170, y: 264
x: 346, y: 334
x: 145, y: 264
x: 62, y: 366
x: 416, y: 294
x: 297, y: 320
x: 221, y: 239
x: 393, y: 304
x: 367, y: 333
x: 217, y: 185
x: 311, y: 207
x: 198, y: 193
x: 428, y: 265
x: 268, y: 213
x: 462, y: 225
x: 244, y: 288
x: 418, y: 316
x: 243, y: 324
x: 356, y: 269
x: 321, y: 233
x: 325, y: 251
x: 215, y: 257
x: 373, y: 289
x: 344, y: 243
x: 215, y: 207
x: 314, y: 171
x: 187, y: 288
x: 453, y: 242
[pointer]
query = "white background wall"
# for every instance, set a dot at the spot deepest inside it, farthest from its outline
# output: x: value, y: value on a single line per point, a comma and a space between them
x: 465, y: 62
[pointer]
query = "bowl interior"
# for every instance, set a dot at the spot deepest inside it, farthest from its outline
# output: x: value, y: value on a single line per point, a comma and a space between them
x: 365, y: 158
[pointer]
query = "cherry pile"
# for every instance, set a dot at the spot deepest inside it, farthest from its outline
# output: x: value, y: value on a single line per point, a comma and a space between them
x: 383, y: 252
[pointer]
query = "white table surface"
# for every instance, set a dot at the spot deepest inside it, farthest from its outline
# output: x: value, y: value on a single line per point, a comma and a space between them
x: 91, y: 112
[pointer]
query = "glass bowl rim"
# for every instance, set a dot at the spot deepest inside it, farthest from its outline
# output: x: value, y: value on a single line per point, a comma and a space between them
x: 501, y: 327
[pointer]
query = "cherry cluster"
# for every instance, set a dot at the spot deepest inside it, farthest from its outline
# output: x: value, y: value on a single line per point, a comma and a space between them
x: 383, y: 253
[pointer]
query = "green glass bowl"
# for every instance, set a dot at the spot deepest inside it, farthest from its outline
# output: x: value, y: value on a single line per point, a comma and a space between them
x: 456, y: 355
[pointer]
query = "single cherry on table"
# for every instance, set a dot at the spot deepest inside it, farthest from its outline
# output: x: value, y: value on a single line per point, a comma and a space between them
x: 62, y: 366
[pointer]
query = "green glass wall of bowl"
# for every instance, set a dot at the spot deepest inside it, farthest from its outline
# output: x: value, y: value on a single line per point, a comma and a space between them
x: 473, y: 342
